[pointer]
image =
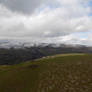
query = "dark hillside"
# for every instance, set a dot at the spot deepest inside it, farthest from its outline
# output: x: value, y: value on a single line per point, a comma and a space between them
x: 18, y: 55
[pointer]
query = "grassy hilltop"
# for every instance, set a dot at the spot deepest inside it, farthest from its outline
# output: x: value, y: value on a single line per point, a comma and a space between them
x: 60, y: 73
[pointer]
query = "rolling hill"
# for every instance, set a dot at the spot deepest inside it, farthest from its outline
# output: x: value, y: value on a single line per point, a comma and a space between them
x: 59, y: 73
x: 11, y: 56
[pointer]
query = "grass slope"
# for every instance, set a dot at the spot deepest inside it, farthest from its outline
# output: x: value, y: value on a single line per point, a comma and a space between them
x: 60, y: 73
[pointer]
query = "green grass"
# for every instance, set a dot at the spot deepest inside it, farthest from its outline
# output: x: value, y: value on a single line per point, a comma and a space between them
x: 60, y: 73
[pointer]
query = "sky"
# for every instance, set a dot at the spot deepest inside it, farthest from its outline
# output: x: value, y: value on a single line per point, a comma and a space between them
x: 46, y: 21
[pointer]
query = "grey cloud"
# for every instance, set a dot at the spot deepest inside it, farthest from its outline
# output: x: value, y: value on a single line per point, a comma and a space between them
x: 22, y: 6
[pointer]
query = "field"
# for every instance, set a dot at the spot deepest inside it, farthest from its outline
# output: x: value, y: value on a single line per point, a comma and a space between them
x: 60, y: 73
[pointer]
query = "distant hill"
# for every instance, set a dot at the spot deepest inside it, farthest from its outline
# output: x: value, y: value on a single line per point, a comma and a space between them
x: 60, y: 73
x: 13, y: 55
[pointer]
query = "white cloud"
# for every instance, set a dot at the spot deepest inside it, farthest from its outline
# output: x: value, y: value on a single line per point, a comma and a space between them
x: 45, y: 24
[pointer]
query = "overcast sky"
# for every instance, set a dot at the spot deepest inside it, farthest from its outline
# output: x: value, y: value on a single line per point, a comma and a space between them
x: 52, y: 21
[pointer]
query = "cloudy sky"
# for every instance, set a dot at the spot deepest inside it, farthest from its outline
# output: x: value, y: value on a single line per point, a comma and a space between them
x: 51, y: 21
